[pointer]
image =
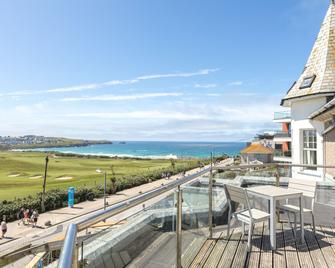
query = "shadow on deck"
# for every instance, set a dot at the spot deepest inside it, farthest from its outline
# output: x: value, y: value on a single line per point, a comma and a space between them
x: 318, y: 251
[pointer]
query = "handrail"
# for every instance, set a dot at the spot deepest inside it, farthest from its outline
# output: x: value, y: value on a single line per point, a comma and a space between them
x: 269, y: 165
x: 69, y: 257
x: 68, y: 249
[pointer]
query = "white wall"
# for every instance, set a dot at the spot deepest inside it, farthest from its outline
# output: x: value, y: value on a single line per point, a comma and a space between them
x: 300, y: 111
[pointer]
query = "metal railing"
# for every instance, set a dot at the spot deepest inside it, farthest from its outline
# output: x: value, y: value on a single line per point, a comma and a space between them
x: 281, y: 153
x: 282, y: 134
x: 69, y: 252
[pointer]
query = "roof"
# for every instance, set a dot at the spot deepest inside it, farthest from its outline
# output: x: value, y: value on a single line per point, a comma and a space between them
x: 328, y: 130
x: 257, y: 148
x: 324, y: 112
x: 318, y: 76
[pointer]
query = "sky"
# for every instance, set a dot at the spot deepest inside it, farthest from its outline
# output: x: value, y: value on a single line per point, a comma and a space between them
x: 177, y: 70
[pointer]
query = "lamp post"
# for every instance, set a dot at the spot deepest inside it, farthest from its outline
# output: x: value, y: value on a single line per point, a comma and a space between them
x: 44, y: 183
x: 105, y: 177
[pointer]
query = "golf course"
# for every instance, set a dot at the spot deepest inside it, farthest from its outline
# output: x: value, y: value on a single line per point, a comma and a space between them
x: 22, y: 173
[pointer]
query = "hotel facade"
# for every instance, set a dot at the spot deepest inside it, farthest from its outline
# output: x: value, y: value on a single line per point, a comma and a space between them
x: 310, y: 127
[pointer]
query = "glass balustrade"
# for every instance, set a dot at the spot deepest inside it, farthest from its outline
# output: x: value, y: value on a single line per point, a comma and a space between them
x: 146, y: 235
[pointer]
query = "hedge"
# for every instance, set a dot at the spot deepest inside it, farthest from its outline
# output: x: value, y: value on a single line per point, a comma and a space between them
x: 57, y: 198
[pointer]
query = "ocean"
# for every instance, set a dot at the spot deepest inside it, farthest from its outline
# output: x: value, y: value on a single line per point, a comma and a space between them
x: 144, y: 149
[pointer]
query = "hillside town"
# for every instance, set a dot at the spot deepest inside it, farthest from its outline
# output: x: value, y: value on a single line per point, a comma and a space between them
x: 32, y: 141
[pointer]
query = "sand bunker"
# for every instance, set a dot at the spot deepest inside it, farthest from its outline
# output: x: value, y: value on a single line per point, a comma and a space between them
x: 35, y: 177
x: 14, y: 175
x: 64, y: 178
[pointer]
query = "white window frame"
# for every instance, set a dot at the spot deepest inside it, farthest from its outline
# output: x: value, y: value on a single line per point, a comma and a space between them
x: 309, y: 146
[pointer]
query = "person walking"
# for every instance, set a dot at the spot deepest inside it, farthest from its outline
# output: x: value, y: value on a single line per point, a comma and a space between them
x: 3, y: 227
x: 26, y: 216
x: 20, y: 216
x: 34, y: 217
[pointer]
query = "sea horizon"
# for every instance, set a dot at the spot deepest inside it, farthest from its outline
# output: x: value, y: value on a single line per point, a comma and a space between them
x: 152, y: 149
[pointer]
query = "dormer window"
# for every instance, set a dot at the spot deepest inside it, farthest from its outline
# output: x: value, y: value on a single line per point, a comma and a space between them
x: 307, y: 82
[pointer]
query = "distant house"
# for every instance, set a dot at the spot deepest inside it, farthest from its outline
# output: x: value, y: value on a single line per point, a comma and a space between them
x: 256, y: 152
x: 311, y: 99
x: 282, y: 138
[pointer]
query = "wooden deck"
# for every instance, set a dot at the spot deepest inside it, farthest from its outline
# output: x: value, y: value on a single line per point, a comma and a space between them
x: 318, y: 251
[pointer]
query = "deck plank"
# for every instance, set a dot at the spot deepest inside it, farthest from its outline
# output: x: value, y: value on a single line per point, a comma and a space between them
x: 292, y: 260
x: 229, y: 253
x: 217, y: 252
x: 304, y: 255
x: 254, y: 255
x: 314, y: 249
x: 241, y: 253
x: 204, y: 252
x: 279, y: 257
x: 266, y: 251
x: 317, y: 252
x: 330, y: 235
x: 325, y: 246
x: 192, y: 251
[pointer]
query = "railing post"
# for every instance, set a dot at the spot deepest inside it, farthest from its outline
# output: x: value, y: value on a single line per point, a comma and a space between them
x: 75, y: 263
x: 277, y: 184
x: 82, y: 254
x: 178, y: 225
x: 210, y: 199
x: 277, y: 176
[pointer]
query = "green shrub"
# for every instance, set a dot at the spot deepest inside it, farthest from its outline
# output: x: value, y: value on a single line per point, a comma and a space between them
x: 57, y: 198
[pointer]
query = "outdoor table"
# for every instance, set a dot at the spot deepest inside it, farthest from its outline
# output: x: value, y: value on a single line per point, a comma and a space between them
x: 274, y: 194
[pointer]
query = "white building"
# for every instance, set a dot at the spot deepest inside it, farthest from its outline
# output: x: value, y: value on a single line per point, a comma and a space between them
x: 310, y: 94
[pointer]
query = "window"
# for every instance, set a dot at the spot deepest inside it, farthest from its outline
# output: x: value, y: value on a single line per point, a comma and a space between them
x: 309, y: 148
x: 307, y: 82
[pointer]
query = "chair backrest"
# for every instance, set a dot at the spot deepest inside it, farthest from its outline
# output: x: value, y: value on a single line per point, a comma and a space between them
x: 307, y: 187
x: 237, y: 194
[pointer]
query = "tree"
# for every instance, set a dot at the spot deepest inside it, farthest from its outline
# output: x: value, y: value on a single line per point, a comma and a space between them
x: 113, y: 181
x: 173, y: 164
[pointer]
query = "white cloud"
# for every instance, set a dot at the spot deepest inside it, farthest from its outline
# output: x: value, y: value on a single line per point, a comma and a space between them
x: 205, y: 85
x: 124, y: 97
x: 236, y: 83
x: 156, y: 76
x: 213, y: 95
x: 240, y: 115
x: 94, y: 86
x: 147, y: 115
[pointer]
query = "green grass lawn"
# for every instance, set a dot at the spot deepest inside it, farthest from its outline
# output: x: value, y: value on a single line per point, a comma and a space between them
x: 21, y: 173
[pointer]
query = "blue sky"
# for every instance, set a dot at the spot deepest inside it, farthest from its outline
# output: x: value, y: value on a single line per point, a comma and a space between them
x: 150, y: 70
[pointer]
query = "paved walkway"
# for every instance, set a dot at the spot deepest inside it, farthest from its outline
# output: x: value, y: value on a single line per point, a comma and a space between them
x: 60, y: 218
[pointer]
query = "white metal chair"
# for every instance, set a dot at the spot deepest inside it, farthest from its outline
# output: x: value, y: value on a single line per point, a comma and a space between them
x: 308, y: 188
x: 247, y: 215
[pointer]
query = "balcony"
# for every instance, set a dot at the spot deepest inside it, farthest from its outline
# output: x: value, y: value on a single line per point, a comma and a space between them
x: 282, y: 117
x: 280, y: 156
x: 183, y: 224
x: 282, y: 136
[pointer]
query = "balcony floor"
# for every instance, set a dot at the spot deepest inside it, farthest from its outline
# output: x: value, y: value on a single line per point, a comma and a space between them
x: 318, y: 251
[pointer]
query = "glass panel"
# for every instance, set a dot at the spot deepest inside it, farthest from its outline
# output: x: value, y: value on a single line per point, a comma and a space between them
x: 195, y: 217
x: 143, y: 236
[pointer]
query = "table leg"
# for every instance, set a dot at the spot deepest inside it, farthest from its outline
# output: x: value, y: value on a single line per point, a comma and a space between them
x: 302, y: 225
x: 273, y: 223
x: 269, y: 211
